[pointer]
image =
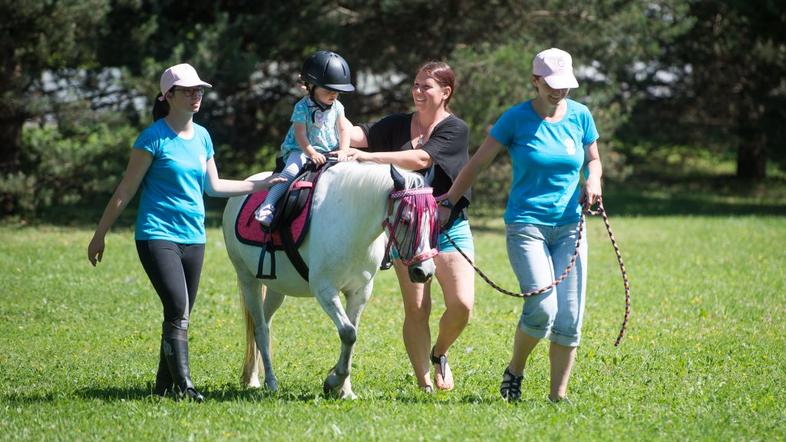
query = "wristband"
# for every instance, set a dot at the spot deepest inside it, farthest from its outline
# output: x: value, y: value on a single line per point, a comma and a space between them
x: 446, y: 203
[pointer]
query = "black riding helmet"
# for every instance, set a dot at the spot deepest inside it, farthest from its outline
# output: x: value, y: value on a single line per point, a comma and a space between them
x: 328, y: 70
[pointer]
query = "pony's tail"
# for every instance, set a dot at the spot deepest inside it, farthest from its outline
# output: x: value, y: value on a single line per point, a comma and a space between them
x: 252, y: 359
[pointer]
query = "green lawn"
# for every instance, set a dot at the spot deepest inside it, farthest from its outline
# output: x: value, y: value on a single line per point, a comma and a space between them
x: 704, y: 357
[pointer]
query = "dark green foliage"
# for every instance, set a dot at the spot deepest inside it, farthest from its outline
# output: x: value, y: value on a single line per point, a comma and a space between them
x: 38, y: 37
x: 66, y: 168
x: 727, y: 88
x: 655, y: 73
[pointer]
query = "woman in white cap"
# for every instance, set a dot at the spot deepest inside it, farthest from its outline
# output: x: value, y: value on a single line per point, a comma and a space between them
x: 551, y: 140
x: 172, y: 160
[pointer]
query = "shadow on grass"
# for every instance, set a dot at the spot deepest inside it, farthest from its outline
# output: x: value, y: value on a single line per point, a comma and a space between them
x: 450, y: 397
x: 627, y: 203
x: 131, y: 392
x: 145, y: 392
x: 717, y: 195
x: 683, y: 196
x: 240, y: 394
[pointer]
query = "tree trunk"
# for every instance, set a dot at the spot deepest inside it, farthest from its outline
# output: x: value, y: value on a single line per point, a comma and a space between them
x: 752, y: 152
x: 10, y: 140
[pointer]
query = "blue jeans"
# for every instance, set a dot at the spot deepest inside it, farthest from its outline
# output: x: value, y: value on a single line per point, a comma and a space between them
x: 461, y: 234
x: 294, y: 164
x: 540, y: 254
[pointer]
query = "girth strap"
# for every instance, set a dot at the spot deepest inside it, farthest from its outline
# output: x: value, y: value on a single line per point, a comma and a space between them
x: 292, y: 252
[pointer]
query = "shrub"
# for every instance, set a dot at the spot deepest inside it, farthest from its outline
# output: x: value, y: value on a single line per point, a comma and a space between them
x: 65, y: 170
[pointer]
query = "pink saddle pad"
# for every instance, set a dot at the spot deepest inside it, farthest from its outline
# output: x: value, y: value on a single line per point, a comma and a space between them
x: 249, y: 231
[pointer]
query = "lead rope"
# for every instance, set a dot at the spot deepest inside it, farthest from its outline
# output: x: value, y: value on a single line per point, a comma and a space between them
x: 600, y: 211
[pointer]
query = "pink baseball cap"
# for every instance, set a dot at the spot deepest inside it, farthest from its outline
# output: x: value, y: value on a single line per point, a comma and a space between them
x: 180, y: 75
x: 556, y: 67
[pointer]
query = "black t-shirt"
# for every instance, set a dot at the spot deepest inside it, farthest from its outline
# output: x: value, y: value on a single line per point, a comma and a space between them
x: 448, y: 147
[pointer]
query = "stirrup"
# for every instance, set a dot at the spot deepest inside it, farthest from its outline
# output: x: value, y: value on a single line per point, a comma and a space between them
x: 510, y: 388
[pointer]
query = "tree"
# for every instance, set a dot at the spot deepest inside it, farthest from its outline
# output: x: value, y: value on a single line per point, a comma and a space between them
x: 729, y: 70
x: 84, y: 62
x: 611, y: 43
x: 36, y: 37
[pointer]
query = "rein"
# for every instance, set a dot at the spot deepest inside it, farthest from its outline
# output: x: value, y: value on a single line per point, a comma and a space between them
x: 423, y: 203
x: 600, y: 211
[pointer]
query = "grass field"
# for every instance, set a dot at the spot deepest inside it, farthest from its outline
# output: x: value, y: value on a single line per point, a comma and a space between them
x: 704, y: 357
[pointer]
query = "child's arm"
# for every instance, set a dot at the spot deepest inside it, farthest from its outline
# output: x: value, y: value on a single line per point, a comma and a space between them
x: 344, y: 127
x: 305, y: 145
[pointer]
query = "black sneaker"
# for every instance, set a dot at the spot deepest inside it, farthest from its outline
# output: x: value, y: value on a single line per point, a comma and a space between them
x: 510, y: 388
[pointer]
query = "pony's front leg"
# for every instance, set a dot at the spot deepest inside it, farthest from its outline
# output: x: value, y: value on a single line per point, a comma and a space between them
x: 337, y: 382
x: 356, y: 303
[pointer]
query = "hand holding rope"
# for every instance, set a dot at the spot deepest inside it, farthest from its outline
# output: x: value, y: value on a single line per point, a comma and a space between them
x: 585, y: 211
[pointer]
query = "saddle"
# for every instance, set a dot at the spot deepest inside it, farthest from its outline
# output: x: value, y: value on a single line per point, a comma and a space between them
x: 290, y: 222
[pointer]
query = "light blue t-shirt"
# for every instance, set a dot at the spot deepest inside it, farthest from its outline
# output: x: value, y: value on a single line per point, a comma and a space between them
x: 547, y: 161
x: 321, y: 127
x: 171, y: 206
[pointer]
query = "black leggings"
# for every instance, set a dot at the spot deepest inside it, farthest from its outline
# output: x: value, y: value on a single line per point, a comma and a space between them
x: 174, y: 270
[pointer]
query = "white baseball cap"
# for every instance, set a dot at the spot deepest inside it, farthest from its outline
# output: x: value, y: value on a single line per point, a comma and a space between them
x: 180, y: 75
x: 556, y: 67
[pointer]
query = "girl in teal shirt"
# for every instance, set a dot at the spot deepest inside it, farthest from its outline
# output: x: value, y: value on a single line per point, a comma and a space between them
x: 173, y: 162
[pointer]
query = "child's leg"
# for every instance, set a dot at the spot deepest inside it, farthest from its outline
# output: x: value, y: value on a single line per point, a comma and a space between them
x: 295, y: 162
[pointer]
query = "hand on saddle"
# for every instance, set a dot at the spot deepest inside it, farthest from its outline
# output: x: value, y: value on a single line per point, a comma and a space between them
x: 317, y: 158
x: 356, y: 154
x: 340, y: 155
x: 268, y: 182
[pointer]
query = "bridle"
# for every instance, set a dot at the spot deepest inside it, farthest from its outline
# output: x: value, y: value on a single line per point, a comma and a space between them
x: 414, y: 204
x: 585, y: 211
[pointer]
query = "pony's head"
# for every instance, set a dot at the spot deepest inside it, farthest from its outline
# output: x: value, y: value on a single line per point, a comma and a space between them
x: 412, y: 227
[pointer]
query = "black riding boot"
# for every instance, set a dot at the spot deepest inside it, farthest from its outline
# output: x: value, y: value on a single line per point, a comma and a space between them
x: 176, y: 354
x: 163, y: 378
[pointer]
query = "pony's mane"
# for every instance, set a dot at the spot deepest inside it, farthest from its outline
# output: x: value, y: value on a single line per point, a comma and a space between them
x: 373, y: 176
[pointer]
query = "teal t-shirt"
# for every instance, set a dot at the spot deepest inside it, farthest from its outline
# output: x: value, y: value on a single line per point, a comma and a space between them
x: 547, y: 159
x: 321, y: 126
x: 171, y: 205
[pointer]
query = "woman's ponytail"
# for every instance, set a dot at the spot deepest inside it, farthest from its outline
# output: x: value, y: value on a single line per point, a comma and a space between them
x: 160, y: 108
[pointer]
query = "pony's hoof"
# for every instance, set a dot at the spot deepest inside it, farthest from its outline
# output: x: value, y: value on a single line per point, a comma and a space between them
x: 252, y: 383
x: 271, y: 385
x: 338, y: 390
x: 428, y: 389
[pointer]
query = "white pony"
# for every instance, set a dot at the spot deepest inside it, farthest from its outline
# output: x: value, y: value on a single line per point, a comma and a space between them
x: 343, y: 251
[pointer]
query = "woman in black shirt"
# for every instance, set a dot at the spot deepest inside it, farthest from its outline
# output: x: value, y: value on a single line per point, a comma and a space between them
x: 435, y: 142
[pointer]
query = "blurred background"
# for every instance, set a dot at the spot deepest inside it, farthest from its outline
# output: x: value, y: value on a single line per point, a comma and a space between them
x: 689, y: 96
